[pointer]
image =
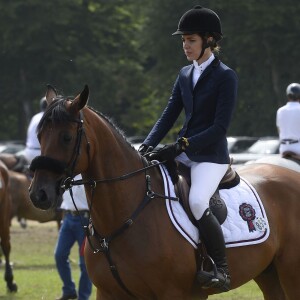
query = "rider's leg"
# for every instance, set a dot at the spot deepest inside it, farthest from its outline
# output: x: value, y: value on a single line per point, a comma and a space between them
x: 205, y: 179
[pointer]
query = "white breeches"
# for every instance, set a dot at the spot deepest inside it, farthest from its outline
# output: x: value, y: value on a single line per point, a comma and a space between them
x: 205, y: 178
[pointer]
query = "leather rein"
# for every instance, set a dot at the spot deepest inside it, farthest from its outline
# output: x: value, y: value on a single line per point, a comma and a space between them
x: 44, y: 162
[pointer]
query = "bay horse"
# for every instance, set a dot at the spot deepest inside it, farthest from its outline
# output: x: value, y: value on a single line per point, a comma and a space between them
x: 21, y: 206
x: 14, y: 162
x: 5, y: 208
x: 278, y: 161
x: 133, y: 249
x: 19, y: 181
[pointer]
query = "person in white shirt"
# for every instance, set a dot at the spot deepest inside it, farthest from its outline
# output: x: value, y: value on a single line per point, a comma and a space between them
x: 72, y: 231
x: 288, y: 121
x: 33, y: 147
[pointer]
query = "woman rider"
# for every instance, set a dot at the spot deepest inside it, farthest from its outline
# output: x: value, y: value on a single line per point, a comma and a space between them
x: 207, y: 91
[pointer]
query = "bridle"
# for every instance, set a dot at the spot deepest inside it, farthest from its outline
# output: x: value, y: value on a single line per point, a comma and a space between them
x: 57, y: 166
x: 50, y: 164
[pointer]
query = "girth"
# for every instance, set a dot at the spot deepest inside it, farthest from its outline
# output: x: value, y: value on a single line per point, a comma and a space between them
x: 291, y: 156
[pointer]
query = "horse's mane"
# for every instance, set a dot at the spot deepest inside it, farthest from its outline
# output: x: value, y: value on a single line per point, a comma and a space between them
x: 57, y: 111
x: 110, y: 122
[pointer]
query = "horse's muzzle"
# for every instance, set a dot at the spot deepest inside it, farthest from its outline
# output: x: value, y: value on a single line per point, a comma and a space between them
x: 45, y: 196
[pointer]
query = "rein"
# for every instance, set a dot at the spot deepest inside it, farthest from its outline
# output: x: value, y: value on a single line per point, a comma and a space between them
x: 47, y: 163
x: 69, y: 181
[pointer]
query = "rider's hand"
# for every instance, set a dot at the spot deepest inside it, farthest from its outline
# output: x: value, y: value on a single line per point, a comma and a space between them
x: 143, y: 149
x: 170, y: 151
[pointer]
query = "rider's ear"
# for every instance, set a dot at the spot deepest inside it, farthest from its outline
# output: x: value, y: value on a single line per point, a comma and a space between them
x: 50, y: 93
x: 81, y: 100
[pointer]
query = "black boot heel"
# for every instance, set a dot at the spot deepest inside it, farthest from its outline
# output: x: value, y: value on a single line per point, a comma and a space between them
x: 216, y: 278
x: 219, y: 281
x: 217, y: 275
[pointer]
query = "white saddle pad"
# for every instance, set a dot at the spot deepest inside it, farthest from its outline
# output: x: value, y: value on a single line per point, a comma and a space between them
x: 246, y: 221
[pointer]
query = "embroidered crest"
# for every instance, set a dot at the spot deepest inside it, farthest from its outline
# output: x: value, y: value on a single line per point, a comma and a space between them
x: 247, y: 212
x: 260, y: 224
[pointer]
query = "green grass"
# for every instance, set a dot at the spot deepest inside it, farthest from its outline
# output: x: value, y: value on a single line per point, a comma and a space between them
x: 36, y: 275
x: 249, y: 291
x: 33, y: 263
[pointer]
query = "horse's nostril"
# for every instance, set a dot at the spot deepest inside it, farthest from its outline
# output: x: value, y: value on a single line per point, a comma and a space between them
x: 43, y: 196
x: 40, y: 200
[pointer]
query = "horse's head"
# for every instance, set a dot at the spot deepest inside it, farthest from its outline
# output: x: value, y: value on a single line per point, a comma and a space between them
x: 61, y: 135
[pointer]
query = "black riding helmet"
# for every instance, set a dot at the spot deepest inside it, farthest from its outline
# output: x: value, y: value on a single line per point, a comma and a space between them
x: 202, y: 21
x: 293, y: 91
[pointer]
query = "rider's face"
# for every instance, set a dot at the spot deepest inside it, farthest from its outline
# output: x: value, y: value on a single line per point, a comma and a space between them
x: 192, y: 46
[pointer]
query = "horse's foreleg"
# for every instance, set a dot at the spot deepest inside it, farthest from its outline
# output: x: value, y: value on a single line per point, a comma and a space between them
x: 8, y: 276
x: 269, y: 284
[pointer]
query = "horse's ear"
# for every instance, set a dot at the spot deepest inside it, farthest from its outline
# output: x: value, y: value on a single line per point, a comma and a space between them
x: 81, y: 100
x: 50, y: 93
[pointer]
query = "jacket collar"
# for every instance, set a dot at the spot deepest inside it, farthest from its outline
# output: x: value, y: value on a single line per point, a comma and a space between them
x: 189, y: 73
x: 213, y: 65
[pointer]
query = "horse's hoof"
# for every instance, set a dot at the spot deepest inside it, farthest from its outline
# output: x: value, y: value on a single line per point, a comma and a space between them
x: 12, y: 288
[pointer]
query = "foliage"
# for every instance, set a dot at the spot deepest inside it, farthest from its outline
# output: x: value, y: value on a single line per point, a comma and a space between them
x: 124, y: 51
x: 81, y: 42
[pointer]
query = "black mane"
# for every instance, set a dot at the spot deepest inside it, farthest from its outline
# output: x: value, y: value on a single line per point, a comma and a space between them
x: 56, y: 111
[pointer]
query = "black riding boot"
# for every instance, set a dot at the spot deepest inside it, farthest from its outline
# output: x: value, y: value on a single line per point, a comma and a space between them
x: 212, y: 236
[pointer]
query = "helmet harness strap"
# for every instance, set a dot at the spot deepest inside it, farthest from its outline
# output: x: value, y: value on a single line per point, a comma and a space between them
x: 206, y: 44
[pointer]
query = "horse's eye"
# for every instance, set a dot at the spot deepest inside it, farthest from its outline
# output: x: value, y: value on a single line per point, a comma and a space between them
x: 67, y: 137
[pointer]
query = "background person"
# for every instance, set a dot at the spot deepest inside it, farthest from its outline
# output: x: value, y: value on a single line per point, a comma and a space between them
x: 288, y: 121
x: 72, y: 231
x: 33, y: 147
x: 207, y: 91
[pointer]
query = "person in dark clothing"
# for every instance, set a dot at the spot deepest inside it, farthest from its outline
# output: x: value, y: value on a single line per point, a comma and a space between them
x: 207, y: 91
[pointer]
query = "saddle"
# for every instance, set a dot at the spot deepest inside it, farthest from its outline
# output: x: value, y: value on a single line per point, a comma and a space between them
x: 291, y: 156
x: 21, y: 164
x: 217, y: 205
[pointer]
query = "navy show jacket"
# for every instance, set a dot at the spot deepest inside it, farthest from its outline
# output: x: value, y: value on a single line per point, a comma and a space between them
x: 208, y: 111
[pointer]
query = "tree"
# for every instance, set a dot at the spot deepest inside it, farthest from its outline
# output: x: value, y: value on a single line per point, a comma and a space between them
x: 259, y: 43
x: 125, y: 52
x: 68, y: 44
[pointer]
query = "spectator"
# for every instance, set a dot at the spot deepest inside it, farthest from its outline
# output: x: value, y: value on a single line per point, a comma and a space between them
x: 288, y: 121
x: 33, y: 147
x: 72, y: 231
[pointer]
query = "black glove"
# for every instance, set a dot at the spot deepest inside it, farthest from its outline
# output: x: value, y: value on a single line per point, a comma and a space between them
x: 168, y: 152
x: 143, y: 149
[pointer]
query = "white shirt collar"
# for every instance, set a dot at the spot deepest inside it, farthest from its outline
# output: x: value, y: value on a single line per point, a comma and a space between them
x: 204, y: 65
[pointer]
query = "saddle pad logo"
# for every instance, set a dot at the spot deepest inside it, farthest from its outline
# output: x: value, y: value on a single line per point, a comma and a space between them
x: 247, y: 212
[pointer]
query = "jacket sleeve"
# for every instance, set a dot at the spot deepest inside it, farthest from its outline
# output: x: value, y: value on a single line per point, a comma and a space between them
x: 227, y: 94
x: 167, y: 118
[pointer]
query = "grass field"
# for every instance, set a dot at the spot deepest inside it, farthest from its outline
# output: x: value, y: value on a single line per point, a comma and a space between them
x: 35, y: 272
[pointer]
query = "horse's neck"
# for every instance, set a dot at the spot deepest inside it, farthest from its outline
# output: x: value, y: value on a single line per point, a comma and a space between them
x: 113, y: 202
